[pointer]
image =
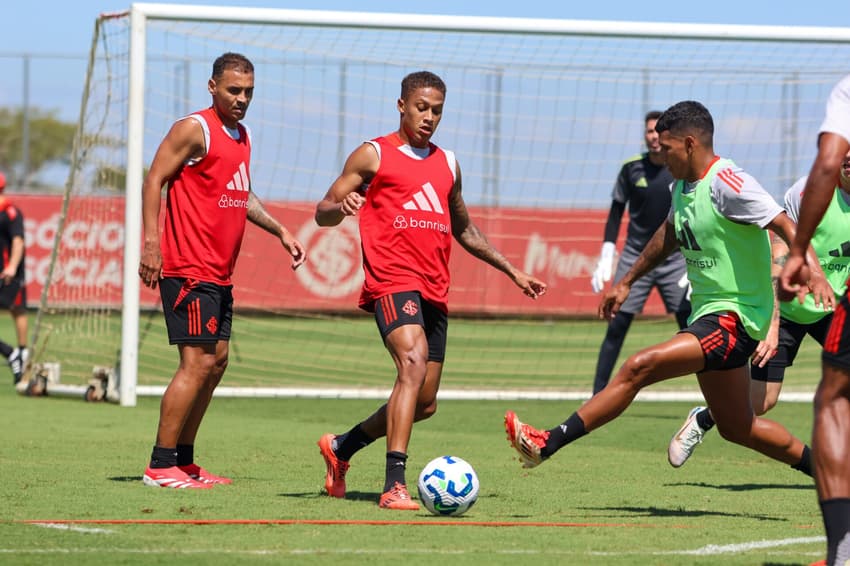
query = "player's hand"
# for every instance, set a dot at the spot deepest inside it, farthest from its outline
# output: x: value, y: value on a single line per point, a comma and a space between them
x: 530, y: 285
x: 7, y: 275
x: 821, y: 290
x: 295, y: 249
x: 767, y: 348
x: 150, y: 265
x: 794, y: 278
x: 352, y: 202
x: 604, y: 267
x: 613, y: 300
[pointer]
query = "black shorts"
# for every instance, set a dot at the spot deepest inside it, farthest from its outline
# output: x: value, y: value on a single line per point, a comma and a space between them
x: 836, y: 347
x: 196, y: 312
x: 725, y: 343
x: 408, y: 307
x: 791, y: 335
x: 13, y: 294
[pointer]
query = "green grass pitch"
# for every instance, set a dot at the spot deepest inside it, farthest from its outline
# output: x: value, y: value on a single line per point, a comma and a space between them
x: 610, y: 498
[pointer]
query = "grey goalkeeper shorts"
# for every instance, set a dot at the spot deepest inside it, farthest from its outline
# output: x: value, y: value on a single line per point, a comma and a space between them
x: 665, y: 277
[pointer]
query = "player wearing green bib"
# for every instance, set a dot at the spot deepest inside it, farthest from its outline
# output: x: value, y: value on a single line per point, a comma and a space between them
x: 795, y: 320
x: 718, y: 220
x: 830, y: 432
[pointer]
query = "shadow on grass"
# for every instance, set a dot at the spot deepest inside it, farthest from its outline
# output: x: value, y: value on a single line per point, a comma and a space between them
x: 349, y: 495
x: 680, y: 512
x: 126, y: 479
x: 742, y: 486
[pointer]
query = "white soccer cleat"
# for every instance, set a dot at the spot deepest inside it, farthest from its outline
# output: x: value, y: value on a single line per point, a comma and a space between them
x: 685, y: 441
x: 16, y: 363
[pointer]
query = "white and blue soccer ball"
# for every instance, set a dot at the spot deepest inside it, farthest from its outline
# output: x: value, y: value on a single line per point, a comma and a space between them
x: 448, y: 486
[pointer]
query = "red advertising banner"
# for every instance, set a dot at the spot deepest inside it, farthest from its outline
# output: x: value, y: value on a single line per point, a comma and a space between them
x: 560, y: 247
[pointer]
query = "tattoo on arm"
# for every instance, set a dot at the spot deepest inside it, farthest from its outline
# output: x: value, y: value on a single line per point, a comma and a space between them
x: 257, y: 215
x: 775, y: 281
x: 475, y: 242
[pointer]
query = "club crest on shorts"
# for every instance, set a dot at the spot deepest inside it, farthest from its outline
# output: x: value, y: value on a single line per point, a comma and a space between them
x: 212, y: 325
x: 410, y: 308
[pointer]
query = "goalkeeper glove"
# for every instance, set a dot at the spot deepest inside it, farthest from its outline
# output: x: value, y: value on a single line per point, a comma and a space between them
x: 684, y: 282
x: 604, y: 266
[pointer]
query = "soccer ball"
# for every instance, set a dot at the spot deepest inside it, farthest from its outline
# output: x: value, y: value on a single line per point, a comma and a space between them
x: 448, y: 486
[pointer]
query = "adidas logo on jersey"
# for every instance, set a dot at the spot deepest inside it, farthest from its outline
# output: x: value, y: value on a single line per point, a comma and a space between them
x: 842, y: 251
x: 240, y: 181
x: 426, y: 200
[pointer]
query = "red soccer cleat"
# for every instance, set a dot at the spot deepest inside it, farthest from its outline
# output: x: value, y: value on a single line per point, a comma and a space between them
x: 196, y: 472
x: 172, y: 477
x: 398, y: 498
x: 526, y: 440
x: 336, y: 468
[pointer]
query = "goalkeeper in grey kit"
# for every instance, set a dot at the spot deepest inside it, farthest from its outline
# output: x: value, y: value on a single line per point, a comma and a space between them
x: 644, y: 184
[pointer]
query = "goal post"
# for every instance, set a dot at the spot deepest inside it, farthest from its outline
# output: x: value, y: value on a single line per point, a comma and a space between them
x: 541, y: 113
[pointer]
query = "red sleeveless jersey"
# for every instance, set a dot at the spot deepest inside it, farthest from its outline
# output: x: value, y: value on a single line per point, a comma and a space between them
x: 207, y: 205
x: 405, y: 226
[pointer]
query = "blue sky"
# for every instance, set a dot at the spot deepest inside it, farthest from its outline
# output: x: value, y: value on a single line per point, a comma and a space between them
x: 50, y: 27
x: 55, y: 27
x: 57, y: 33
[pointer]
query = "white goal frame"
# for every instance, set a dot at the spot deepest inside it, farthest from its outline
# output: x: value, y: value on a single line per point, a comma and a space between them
x: 141, y: 13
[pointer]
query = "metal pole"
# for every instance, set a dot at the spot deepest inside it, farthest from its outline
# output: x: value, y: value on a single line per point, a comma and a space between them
x: 25, y: 125
x: 340, y: 130
x: 187, y: 73
x: 496, y: 121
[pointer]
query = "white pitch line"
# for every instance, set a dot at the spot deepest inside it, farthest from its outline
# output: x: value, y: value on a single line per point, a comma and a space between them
x: 712, y: 549
x: 708, y: 550
x: 75, y: 528
x: 444, y: 394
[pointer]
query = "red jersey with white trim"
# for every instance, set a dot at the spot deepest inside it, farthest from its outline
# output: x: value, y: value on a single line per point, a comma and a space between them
x: 207, y: 206
x: 405, y: 225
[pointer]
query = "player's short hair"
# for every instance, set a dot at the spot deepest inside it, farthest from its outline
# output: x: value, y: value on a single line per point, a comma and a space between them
x: 231, y: 60
x: 421, y: 79
x: 688, y: 117
x: 652, y: 115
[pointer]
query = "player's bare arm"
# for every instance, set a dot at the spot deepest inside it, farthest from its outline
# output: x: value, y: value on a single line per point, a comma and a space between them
x: 661, y: 245
x: 475, y: 242
x: 817, y: 194
x: 184, y: 141
x: 816, y: 282
x: 258, y: 215
x: 344, y: 197
x: 767, y: 348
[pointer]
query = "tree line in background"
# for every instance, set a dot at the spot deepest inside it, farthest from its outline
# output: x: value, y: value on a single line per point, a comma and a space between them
x: 50, y: 140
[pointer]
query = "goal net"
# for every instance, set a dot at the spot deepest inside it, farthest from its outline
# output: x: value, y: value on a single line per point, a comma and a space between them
x: 541, y: 114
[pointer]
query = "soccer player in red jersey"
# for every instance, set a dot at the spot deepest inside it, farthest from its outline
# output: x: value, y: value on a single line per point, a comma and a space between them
x: 407, y: 193
x: 205, y: 162
x: 13, y: 285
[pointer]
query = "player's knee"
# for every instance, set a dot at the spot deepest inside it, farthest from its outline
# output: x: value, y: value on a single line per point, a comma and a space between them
x: 766, y: 404
x: 425, y: 410
x: 412, y: 367
x: 220, y: 365
x: 636, y: 369
x: 736, y: 432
